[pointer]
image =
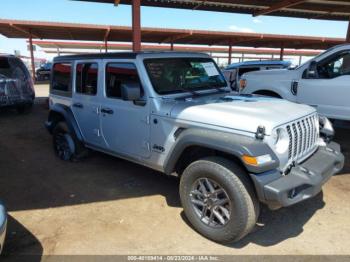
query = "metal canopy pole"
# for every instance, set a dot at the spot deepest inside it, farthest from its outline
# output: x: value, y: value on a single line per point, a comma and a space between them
x: 106, y: 46
x: 106, y: 39
x: 348, y: 34
x: 136, y: 25
x: 31, y: 49
x: 230, y: 53
x: 282, y: 52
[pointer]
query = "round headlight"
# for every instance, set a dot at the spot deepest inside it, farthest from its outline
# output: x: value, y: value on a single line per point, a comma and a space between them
x: 281, y: 140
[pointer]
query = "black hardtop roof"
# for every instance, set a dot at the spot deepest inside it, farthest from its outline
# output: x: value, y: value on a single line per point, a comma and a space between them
x: 117, y: 55
x: 130, y: 55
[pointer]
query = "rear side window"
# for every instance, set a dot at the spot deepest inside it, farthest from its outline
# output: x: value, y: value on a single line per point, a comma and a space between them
x: 19, y: 70
x: 61, y: 80
x: 5, y: 68
x: 118, y: 74
x: 86, y: 78
x: 4, y: 63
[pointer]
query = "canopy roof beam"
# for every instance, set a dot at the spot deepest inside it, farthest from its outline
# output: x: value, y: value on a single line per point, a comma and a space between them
x: 172, y: 39
x: 279, y: 6
x: 29, y: 32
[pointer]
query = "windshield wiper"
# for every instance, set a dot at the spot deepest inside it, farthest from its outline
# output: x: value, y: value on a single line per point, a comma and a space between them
x: 221, y: 89
x: 182, y: 84
x: 218, y: 88
x: 194, y: 93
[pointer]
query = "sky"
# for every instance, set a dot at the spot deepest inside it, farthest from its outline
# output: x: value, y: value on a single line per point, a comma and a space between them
x: 107, y: 14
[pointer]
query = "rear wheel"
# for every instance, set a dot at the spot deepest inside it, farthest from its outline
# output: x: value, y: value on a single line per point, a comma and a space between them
x: 218, y: 199
x: 66, y: 146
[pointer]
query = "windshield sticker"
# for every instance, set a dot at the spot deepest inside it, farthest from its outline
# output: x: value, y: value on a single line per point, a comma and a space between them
x: 210, y: 69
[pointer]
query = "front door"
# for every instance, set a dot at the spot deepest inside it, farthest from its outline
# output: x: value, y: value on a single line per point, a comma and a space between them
x: 125, y: 124
x: 329, y: 90
x: 85, y: 104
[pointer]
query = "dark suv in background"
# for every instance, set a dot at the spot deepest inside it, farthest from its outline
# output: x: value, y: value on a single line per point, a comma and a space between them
x: 43, y: 72
x: 16, y: 85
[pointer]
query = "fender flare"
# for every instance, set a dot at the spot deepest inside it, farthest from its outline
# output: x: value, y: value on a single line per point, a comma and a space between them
x: 233, y: 144
x: 69, y: 118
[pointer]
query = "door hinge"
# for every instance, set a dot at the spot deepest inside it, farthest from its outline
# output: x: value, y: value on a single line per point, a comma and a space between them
x: 147, y: 146
x: 97, y: 132
x: 147, y: 120
x: 97, y: 110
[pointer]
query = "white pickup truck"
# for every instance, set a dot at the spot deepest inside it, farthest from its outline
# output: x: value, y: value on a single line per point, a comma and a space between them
x: 323, y: 82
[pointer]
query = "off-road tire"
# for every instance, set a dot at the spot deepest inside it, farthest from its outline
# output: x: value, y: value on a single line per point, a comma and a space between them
x: 77, y: 150
x: 234, y: 180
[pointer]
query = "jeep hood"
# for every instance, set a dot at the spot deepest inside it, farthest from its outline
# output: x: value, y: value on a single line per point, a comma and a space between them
x: 239, y: 112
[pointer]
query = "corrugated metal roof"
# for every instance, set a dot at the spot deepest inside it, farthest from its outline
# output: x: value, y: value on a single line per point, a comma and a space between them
x: 310, y: 9
x: 64, y: 45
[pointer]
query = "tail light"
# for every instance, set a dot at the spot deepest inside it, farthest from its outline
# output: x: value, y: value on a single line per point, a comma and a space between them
x: 242, y: 83
x: 2, y: 87
x: 31, y: 83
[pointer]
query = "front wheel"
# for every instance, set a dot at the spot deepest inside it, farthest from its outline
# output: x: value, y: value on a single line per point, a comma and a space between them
x: 218, y: 199
x: 66, y: 146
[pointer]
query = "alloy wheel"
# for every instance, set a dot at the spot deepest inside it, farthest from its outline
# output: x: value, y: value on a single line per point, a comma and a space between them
x: 210, y: 202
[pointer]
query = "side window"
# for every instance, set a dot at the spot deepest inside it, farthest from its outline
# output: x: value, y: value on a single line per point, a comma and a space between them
x: 116, y: 75
x: 5, y: 67
x: 86, y: 78
x: 61, y: 80
x: 20, y: 72
x: 337, y: 66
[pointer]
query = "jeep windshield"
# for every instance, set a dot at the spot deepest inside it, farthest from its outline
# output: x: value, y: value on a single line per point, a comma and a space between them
x: 178, y: 75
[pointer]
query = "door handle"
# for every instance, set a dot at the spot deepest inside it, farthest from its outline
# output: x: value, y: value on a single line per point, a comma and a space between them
x: 107, y: 111
x: 78, y: 105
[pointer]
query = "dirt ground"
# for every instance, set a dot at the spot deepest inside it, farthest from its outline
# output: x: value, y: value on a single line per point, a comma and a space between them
x: 105, y: 205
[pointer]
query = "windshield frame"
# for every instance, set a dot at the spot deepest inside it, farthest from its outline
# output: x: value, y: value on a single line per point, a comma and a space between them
x: 181, y: 90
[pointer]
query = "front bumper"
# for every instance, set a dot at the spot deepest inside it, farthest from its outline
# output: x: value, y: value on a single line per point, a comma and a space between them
x: 3, y: 225
x: 304, y: 180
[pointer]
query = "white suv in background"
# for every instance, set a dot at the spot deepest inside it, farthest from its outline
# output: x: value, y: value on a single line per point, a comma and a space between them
x: 323, y: 82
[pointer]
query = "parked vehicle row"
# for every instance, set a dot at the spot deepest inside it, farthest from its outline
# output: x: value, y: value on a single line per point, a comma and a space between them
x: 323, y: 82
x: 43, y: 73
x: 173, y: 112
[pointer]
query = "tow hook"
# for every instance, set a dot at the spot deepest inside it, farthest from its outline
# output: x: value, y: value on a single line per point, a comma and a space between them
x: 260, y: 133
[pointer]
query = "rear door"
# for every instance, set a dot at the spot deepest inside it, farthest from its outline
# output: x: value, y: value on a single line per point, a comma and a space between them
x: 85, y: 102
x: 329, y: 91
x: 125, y: 124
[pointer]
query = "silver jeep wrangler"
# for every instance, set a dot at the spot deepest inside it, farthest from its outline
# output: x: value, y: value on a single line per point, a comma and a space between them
x: 174, y: 112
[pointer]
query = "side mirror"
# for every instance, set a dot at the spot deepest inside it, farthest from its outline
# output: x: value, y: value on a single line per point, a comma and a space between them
x: 312, y: 70
x: 131, y: 91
